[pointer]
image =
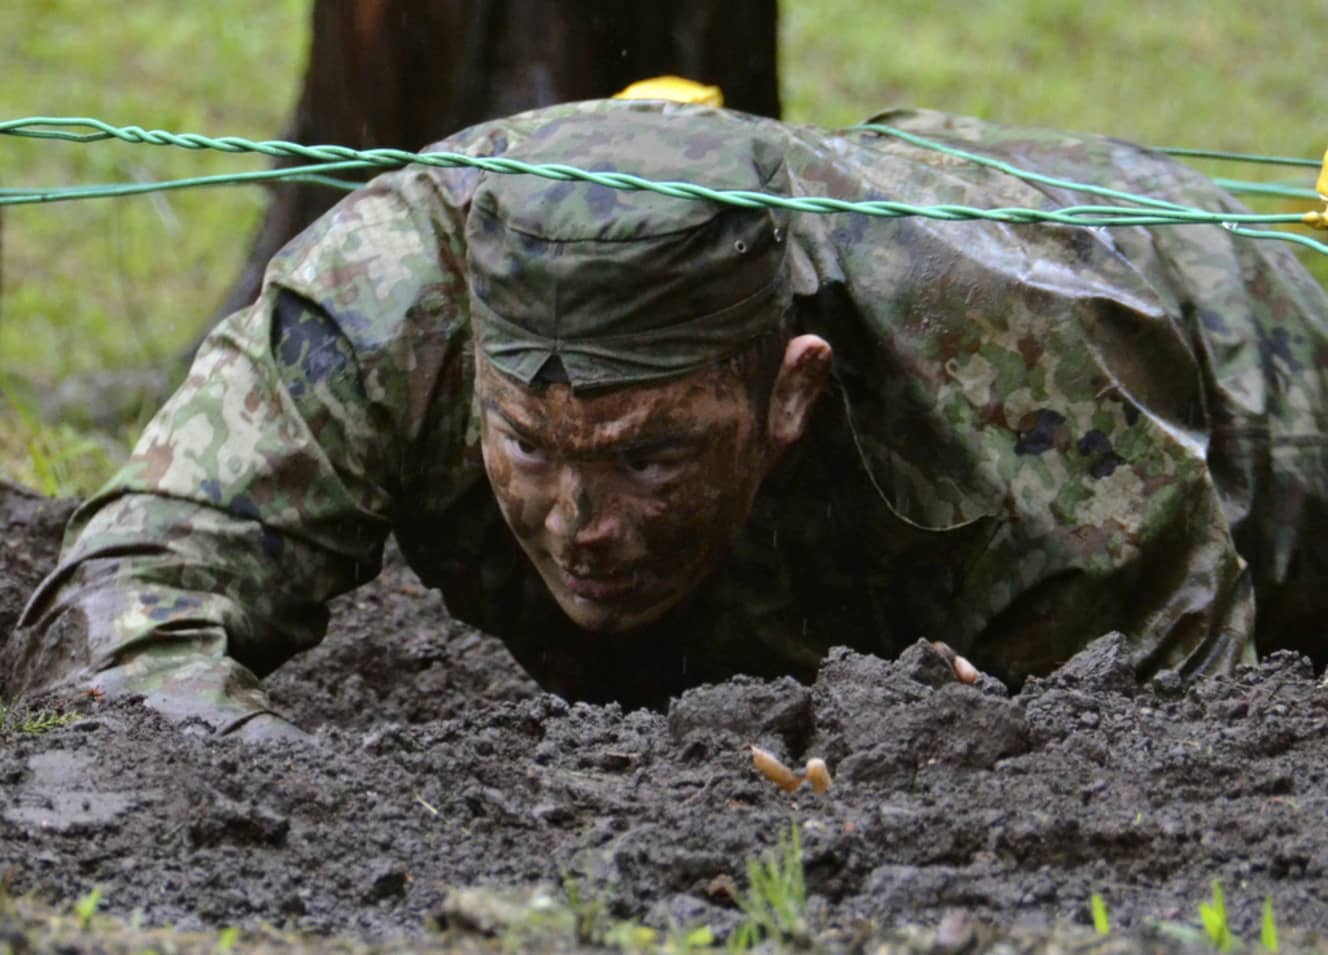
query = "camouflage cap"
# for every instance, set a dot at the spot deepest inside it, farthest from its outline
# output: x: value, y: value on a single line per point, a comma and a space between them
x: 624, y: 287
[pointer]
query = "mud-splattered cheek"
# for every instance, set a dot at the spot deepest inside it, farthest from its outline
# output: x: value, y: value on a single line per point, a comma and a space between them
x: 526, y: 514
x: 663, y: 526
x: 520, y: 508
x: 689, y: 526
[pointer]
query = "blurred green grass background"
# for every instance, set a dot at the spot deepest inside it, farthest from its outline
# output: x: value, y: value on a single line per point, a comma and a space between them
x: 100, y: 285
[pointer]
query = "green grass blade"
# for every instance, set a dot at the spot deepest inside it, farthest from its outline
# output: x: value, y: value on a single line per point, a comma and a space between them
x: 1213, y: 915
x: 1100, y: 920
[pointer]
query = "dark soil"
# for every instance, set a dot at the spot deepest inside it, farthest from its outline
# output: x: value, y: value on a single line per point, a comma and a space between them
x: 437, y: 765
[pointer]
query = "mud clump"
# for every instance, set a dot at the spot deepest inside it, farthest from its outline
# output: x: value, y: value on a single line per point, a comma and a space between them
x: 883, y: 721
x: 438, y: 771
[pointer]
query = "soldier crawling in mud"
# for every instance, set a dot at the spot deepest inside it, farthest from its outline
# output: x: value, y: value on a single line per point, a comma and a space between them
x: 651, y: 442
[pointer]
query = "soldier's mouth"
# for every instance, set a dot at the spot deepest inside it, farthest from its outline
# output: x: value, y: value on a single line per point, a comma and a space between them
x: 596, y: 586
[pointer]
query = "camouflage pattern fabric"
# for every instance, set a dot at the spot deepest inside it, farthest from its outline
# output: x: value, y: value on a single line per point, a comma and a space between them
x: 625, y: 287
x: 1036, y: 434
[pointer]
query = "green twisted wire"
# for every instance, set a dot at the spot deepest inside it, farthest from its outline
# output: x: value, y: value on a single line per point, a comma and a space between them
x: 1238, y: 157
x: 1232, y: 223
x: 1136, y: 210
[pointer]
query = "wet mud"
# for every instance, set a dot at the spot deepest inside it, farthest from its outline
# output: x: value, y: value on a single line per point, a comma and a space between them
x: 437, y: 768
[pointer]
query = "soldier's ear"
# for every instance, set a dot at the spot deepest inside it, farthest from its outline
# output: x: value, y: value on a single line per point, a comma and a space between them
x: 802, y: 377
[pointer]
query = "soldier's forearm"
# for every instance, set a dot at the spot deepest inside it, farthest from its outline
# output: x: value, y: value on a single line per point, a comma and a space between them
x: 170, y: 598
x: 90, y: 628
x: 185, y: 685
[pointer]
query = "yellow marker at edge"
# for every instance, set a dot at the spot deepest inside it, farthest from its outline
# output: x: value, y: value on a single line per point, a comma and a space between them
x: 1319, y: 220
x: 674, y: 88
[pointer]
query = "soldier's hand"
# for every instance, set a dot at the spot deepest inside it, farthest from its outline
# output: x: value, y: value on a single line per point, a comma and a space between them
x: 267, y: 728
x: 964, y: 671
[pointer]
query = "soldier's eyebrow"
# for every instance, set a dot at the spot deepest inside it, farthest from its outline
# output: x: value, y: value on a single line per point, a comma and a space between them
x: 650, y: 444
x: 645, y: 444
x: 524, y: 432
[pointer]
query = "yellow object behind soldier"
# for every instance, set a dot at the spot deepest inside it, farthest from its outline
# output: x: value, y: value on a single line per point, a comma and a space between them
x: 674, y: 88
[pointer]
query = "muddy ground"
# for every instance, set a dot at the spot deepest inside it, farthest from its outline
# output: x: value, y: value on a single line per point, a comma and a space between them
x: 437, y: 766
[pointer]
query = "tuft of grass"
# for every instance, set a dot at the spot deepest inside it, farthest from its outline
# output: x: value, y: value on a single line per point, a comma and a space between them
x: 20, y: 720
x: 591, y: 923
x: 1213, y: 917
x: 684, y: 941
x: 85, y: 907
x: 57, y: 459
x: 584, y: 920
x: 1214, y: 928
x: 594, y: 926
x: 227, y: 939
x: 775, y: 904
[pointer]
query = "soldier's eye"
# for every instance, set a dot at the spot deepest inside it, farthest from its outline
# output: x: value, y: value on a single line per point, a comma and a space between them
x: 525, y: 452
x: 647, y: 469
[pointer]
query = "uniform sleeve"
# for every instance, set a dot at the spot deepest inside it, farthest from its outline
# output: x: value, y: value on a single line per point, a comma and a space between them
x: 269, y: 482
x: 1183, y: 428
x: 1110, y: 528
x: 1043, y: 391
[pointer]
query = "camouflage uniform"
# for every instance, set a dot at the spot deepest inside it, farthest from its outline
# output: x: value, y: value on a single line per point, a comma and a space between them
x: 1035, y: 434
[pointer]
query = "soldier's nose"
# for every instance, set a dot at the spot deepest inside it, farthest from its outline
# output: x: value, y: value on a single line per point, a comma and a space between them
x: 597, y: 527
x: 571, y: 505
x: 575, y: 515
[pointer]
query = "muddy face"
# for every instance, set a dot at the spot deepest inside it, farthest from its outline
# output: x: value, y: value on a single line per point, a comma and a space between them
x: 623, y: 500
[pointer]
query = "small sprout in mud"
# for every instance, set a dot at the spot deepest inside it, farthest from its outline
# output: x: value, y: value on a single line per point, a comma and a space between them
x: 592, y: 925
x: 86, y: 907
x: 1214, y: 917
x: 227, y: 939
x: 816, y: 773
x: 965, y: 671
x: 1215, y: 930
x: 775, y: 771
x: 591, y: 915
x: 16, y: 719
x: 685, y: 941
x: 1100, y: 920
x: 630, y: 937
x: 1268, y: 933
x: 776, y: 899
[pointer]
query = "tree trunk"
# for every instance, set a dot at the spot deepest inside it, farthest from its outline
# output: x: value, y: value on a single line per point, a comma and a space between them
x: 406, y: 73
